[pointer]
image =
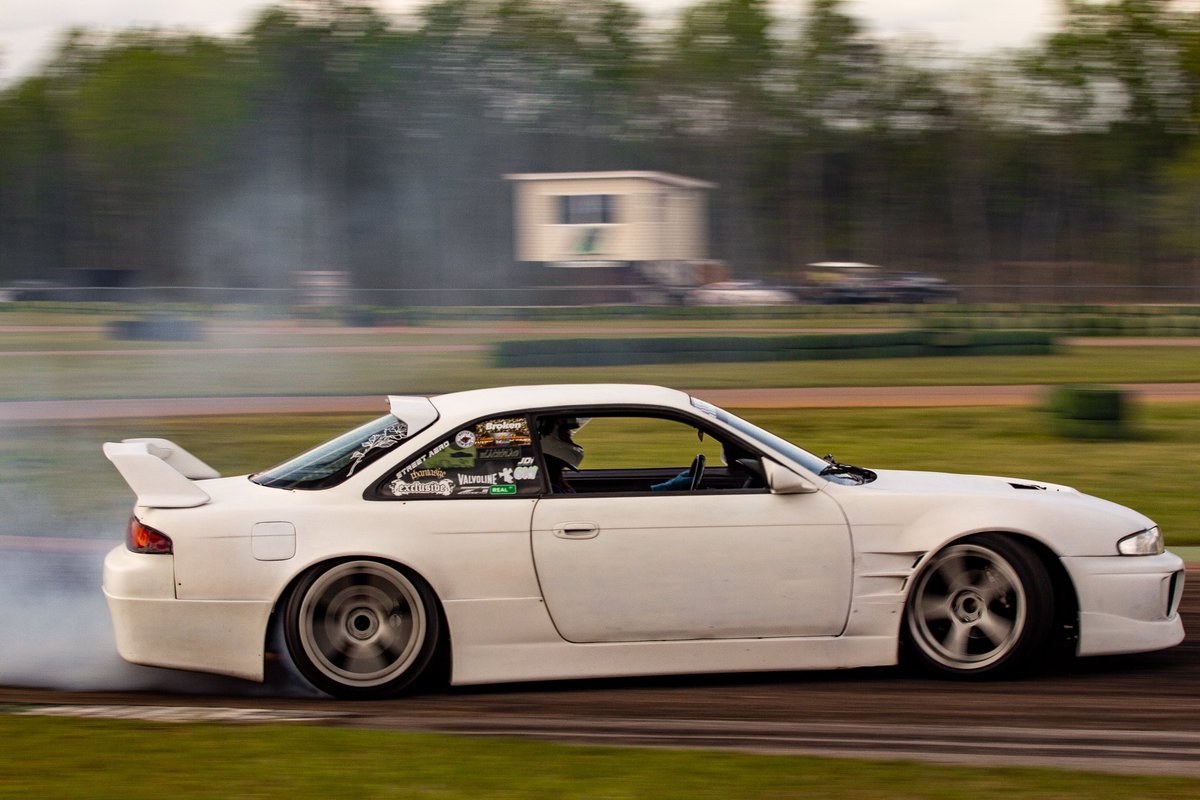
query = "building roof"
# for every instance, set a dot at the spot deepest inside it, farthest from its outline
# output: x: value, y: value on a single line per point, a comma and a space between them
x: 658, y: 177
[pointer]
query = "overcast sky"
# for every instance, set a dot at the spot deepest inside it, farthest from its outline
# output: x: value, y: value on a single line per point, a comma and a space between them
x: 29, y: 29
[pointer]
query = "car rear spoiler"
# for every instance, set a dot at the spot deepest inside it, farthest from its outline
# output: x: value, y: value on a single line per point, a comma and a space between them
x: 160, y: 472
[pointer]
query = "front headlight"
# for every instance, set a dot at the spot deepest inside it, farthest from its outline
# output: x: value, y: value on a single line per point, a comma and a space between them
x: 1147, y: 543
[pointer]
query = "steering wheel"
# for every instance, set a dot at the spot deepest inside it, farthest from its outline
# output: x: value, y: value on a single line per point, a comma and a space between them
x: 696, y: 471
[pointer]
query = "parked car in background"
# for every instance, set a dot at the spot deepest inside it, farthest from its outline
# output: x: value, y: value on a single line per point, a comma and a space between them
x: 916, y: 288
x: 739, y: 293
x: 30, y: 290
x: 855, y: 282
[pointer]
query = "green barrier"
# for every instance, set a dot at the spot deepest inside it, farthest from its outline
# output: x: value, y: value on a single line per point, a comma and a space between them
x: 725, y: 349
x: 1090, y: 412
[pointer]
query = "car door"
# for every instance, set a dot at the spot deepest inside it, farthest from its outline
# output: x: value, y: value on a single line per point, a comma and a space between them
x: 639, y: 564
x: 473, y: 493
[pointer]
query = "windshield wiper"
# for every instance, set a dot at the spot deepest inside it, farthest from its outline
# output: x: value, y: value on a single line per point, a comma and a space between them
x: 861, y: 474
x: 834, y: 467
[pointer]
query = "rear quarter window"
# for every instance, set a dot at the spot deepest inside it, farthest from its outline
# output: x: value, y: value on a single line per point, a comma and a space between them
x: 490, y: 458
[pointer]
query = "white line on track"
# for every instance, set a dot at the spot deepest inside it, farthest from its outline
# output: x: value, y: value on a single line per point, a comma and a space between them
x: 180, y: 713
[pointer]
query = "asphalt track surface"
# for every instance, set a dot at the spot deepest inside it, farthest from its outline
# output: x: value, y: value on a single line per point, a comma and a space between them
x: 1128, y: 714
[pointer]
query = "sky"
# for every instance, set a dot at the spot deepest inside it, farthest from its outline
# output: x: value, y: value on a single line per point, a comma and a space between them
x: 30, y: 29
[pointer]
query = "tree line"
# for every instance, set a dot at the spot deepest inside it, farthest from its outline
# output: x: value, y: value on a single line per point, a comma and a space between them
x: 328, y: 135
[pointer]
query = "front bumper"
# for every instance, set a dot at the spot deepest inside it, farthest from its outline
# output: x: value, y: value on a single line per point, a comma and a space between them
x: 154, y: 628
x: 1127, y: 604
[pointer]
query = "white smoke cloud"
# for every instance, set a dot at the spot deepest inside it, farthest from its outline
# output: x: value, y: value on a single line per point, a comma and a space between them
x: 56, y: 633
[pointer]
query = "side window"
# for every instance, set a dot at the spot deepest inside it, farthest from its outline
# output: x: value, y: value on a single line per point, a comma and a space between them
x: 491, y: 458
x: 643, y: 443
x: 634, y: 453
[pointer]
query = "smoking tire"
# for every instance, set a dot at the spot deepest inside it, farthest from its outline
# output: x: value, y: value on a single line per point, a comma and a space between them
x: 361, y: 629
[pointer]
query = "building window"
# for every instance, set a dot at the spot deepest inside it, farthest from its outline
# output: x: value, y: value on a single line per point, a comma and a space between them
x: 586, y: 209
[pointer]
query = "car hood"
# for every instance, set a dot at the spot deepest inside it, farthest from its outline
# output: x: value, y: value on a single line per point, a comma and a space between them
x: 944, y: 483
x: 924, y: 502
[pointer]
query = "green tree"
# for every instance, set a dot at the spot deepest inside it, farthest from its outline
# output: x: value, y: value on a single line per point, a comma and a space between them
x: 1115, y: 85
x: 36, y: 187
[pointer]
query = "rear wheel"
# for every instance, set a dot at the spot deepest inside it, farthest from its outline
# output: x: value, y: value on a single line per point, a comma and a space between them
x: 361, y: 629
x: 981, y: 606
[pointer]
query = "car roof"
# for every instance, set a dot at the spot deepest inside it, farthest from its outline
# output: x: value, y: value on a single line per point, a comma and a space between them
x: 476, y: 402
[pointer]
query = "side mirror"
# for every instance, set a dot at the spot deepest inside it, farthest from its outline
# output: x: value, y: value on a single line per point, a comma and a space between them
x: 782, y: 480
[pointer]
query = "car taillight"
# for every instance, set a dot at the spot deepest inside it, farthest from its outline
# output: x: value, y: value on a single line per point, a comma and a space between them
x: 144, y: 539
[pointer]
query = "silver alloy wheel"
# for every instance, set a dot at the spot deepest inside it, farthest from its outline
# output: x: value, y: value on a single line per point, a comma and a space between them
x: 969, y: 608
x: 362, y: 623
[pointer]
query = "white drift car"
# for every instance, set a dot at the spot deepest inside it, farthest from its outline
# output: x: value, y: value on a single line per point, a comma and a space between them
x: 600, y: 530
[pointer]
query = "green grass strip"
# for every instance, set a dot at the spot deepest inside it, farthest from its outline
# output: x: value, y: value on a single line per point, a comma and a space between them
x: 132, y: 760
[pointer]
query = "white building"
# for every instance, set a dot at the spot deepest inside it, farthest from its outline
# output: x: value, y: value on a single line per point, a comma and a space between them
x: 610, y: 219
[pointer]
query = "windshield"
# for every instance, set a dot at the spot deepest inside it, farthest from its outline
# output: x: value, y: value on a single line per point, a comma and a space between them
x: 802, y: 457
x: 334, y: 461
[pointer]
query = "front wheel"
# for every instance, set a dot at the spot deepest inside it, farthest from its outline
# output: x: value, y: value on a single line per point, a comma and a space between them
x: 360, y: 629
x: 981, y: 606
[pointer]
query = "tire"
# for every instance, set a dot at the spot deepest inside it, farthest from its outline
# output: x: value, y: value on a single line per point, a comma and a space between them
x: 362, y: 629
x: 982, y: 606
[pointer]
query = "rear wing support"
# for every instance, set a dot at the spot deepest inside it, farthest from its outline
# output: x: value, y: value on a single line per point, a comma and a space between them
x: 160, y: 472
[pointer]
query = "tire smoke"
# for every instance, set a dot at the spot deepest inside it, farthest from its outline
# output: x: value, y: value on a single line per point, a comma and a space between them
x: 55, y: 631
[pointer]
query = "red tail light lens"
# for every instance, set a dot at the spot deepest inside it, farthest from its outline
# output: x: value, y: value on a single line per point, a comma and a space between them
x: 144, y: 539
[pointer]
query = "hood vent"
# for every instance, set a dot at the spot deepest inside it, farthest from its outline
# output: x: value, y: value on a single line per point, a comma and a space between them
x: 1030, y: 486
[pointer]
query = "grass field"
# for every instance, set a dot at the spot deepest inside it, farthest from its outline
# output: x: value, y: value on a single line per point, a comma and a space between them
x: 140, y: 373
x: 53, y: 478
x: 68, y: 354
x: 46, y: 757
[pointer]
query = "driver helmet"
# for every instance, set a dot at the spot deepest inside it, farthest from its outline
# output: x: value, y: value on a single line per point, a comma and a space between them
x: 557, y: 443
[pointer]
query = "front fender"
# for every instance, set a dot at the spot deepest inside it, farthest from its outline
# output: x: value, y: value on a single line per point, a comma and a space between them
x: 1066, y: 524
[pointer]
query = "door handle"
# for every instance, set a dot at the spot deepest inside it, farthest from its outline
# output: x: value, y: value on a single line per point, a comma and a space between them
x: 576, y: 530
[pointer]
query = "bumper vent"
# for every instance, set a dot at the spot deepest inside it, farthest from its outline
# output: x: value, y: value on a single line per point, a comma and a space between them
x: 1174, y: 593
